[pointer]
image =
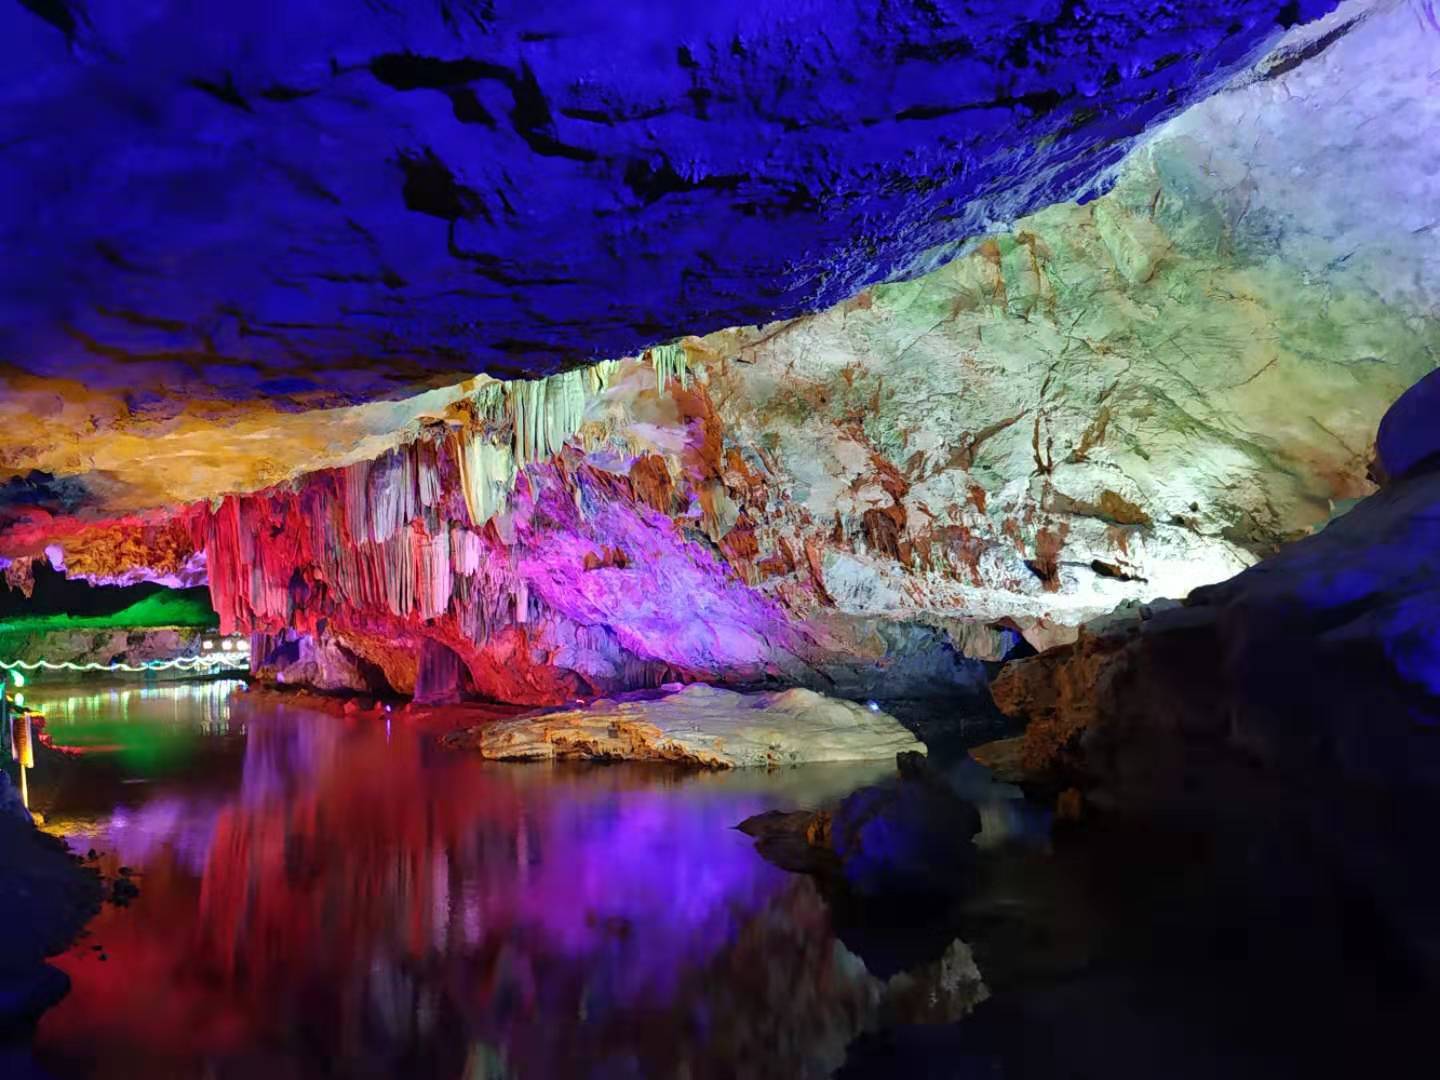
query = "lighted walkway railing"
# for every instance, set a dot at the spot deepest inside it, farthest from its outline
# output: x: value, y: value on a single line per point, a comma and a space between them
x: 226, y: 661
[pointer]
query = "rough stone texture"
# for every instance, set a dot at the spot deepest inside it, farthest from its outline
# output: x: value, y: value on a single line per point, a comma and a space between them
x: 909, y: 837
x: 756, y: 162
x: 1327, y: 657
x: 1304, y: 694
x: 316, y: 661
x: 10, y: 804
x: 699, y: 725
x: 1409, y: 436
x: 1111, y: 402
x: 1157, y: 386
x: 242, y: 203
x: 45, y: 898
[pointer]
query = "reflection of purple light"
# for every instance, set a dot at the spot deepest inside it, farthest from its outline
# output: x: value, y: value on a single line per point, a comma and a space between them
x: 283, y: 753
x: 136, y: 836
x: 632, y: 881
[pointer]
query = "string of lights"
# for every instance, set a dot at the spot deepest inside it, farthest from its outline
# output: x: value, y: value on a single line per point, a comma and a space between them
x: 214, y: 661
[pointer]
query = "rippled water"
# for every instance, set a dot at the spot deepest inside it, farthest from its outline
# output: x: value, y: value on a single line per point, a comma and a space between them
x: 336, y: 896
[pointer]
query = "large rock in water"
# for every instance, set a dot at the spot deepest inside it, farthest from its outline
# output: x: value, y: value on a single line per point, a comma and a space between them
x: 909, y: 837
x: 1300, y: 700
x: 699, y: 725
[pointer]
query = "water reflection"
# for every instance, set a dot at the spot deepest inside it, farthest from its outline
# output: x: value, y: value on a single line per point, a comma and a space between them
x: 340, y: 896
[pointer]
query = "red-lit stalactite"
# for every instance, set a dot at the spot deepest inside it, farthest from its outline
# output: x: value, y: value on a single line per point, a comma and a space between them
x: 569, y: 591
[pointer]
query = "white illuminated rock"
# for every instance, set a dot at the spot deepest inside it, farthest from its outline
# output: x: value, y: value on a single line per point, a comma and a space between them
x: 699, y: 725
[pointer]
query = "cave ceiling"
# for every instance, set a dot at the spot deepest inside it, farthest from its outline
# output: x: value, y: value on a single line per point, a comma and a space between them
x: 326, y: 202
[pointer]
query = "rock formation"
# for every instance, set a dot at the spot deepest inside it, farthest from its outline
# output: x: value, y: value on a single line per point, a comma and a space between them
x: 391, y: 193
x: 1108, y: 402
x: 106, y: 647
x: 1303, y: 693
x: 699, y: 725
x: 45, y: 898
x: 906, y: 462
x: 909, y: 838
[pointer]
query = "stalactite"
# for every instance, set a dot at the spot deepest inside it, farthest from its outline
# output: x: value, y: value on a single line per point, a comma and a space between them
x: 518, y: 424
x: 670, y: 362
x: 487, y: 474
x: 20, y: 574
x: 541, y: 570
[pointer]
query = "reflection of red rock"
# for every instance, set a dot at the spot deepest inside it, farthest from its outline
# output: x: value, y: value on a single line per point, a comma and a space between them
x: 315, y: 879
x: 148, y: 945
x: 365, y: 897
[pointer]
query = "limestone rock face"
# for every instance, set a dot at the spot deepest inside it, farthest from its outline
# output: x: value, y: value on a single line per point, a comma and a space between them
x: 163, y: 355
x: 909, y: 838
x: 699, y: 725
x: 1409, y: 436
x: 45, y: 898
x: 101, y: 646
x: 319, y: 662
x: 1297, y: 702
x: 1321, y: 660
x: 10, y: 804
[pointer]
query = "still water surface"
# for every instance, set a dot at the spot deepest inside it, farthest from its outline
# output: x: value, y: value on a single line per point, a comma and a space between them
x: 328, y: 896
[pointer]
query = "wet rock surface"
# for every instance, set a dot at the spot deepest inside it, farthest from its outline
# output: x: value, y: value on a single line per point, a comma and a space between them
x: 910, y: 837
x: 45, y: 899
x: 1131, y: 952
x: 698, y: 725
x: 1107, y: 946
x: 1295, y: 704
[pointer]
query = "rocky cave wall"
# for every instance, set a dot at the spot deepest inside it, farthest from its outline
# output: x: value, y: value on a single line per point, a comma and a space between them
x: 221, y: 225
x: 1294, y: 707
x: 1109, y: 402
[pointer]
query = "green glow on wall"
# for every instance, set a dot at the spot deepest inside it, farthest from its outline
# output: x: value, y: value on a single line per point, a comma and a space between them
x: 162, y: 609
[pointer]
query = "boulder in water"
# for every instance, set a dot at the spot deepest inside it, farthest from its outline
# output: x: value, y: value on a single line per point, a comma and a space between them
x: 698, y: 725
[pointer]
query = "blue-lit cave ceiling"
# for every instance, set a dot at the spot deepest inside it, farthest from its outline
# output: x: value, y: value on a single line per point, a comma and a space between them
x: 322, y: 201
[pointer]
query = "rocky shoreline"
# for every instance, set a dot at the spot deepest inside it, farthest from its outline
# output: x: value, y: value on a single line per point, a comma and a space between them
x: 46, y: 898
x: 1292, y: 709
